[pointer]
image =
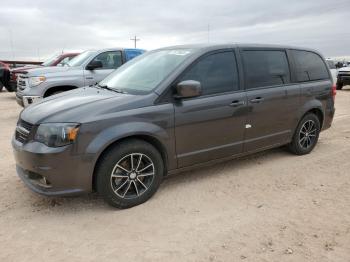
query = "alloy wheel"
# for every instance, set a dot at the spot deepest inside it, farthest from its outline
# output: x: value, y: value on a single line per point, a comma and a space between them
x: 307, y: 134
x: 132, y: 175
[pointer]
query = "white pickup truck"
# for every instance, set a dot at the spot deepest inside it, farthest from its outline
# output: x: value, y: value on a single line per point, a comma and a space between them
x: 343, y: 77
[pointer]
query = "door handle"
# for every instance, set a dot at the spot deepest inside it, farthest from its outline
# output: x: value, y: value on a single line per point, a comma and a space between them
x: 89, y: 77
x: 257, y: 100
x: 237, y: 103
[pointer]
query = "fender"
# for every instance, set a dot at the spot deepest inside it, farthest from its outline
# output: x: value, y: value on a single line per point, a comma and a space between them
x: 124, y: 130
x: 310, y: 105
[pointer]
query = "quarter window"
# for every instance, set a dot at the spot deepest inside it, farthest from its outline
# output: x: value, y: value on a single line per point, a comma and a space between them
x: 310, y: 66
x: 217, y: 73
x: 109, y: 60
x: 265, y: 68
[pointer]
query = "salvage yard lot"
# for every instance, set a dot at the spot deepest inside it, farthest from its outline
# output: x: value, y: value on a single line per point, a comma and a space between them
x: 271, y: 206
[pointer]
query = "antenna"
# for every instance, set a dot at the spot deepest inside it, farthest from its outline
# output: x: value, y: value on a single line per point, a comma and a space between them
x: 135, y: 39
x: 208, y: 32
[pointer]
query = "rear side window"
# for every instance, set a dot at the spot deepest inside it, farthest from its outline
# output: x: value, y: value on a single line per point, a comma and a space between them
x: 309, y: 66
x: 265, y: 68
x: 217, y: 73
x: 130, y: 54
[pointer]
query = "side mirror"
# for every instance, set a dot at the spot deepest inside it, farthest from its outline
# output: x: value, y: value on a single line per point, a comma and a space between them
x: 94, y: 65
x: 187, y: 89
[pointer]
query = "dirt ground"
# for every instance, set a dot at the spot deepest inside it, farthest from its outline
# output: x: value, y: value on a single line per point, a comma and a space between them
x: 271, y: 206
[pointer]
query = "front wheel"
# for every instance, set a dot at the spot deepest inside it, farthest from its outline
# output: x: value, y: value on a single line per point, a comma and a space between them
x: 129, y: 173
x: 306, y: 135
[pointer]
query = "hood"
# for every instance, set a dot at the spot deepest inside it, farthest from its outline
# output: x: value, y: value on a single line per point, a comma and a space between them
x: 80, y: 105
x: 344, y: 69
x: 48, y: 70
x: 24, y: 69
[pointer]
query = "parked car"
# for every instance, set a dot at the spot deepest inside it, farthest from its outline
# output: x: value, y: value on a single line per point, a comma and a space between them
x: 343, y: 77
x: 4, y: 75
x: 171, y: 110
x: 56, y: 60
x: 88, y: 68
x: 334, y: 71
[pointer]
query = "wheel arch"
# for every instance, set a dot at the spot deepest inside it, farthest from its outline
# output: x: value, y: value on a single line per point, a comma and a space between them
x: 319, y: 113
x: 141, y: 136
x: 54, y: 89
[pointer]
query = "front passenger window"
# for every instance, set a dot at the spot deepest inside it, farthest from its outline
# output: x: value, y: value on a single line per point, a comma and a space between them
x: 217, y: 73
x: 109, y: 60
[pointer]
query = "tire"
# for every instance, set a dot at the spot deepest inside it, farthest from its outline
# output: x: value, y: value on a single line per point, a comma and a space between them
x: 339, y: 86
x: 122, y: 185
x: 306, y: 135
x: 9, y: 89
x: 1, y: 86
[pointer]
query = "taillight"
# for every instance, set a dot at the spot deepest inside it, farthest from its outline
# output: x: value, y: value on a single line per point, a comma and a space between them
x: 14, y: 76
x: 334, y: 91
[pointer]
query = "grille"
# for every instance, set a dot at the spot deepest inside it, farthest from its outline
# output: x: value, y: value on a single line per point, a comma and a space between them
x: 23, y: 130
x: 21, y: 82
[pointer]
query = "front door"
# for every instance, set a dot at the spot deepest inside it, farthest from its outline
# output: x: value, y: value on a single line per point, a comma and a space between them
x: 110, y: 60
x: 273, y: 101
x: 211, y: 126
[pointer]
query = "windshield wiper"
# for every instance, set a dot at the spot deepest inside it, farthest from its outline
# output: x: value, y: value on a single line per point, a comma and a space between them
x: 111, y: 89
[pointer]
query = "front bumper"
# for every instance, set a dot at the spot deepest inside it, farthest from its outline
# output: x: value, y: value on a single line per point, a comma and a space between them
x: 52, y: 171
x: 344, y: 79
x: 25, y: 101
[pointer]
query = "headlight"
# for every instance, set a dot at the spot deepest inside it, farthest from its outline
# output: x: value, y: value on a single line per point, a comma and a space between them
x: 36, y: 80
x: 57, y: 134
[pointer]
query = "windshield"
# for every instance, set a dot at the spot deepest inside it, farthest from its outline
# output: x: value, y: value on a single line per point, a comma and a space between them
x: 50, y: 61
x: 80, y: 59
x: 146, y: 72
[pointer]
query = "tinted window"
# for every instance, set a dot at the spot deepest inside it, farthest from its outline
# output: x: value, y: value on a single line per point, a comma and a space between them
x: 310, y: 66
x: 265, y: 68
x: 217, y: 73
x: 109, y: 60
x: 130, y: 54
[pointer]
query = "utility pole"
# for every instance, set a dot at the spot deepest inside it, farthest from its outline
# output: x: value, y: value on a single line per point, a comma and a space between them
x: 135, y: 40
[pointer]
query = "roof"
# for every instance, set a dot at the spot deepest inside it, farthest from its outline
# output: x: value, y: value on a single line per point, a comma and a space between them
x: 115, y: 49
x: 208, y: 47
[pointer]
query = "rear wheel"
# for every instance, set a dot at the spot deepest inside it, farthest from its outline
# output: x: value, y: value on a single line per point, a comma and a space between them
x: 339, y: 86
x: 129, y: 173
x: 306, y: 135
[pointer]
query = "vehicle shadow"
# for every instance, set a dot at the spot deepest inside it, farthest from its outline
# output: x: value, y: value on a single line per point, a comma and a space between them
x: 171, y: 182
x: 345, y: 88
x: 8, y: 97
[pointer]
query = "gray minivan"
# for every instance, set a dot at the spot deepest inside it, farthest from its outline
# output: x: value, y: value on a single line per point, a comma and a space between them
x: 170, y: 110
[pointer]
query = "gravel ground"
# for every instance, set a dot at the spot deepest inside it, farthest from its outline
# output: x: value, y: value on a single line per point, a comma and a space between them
x: 271, y: 206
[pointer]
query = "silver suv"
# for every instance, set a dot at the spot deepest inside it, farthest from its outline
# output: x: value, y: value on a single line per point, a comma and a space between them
x: 88, y: 68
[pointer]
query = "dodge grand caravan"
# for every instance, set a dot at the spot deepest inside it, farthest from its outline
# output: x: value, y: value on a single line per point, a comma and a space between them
x: 85, y: 69
x: 170, y: 110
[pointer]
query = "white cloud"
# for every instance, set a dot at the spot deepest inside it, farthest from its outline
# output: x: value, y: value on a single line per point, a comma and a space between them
x: 42, y: 27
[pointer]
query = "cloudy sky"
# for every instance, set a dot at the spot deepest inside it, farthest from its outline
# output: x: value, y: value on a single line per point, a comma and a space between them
x: 36, y: 29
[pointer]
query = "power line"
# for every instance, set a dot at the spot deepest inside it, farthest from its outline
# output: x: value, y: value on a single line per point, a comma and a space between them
x: 135, y: 40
